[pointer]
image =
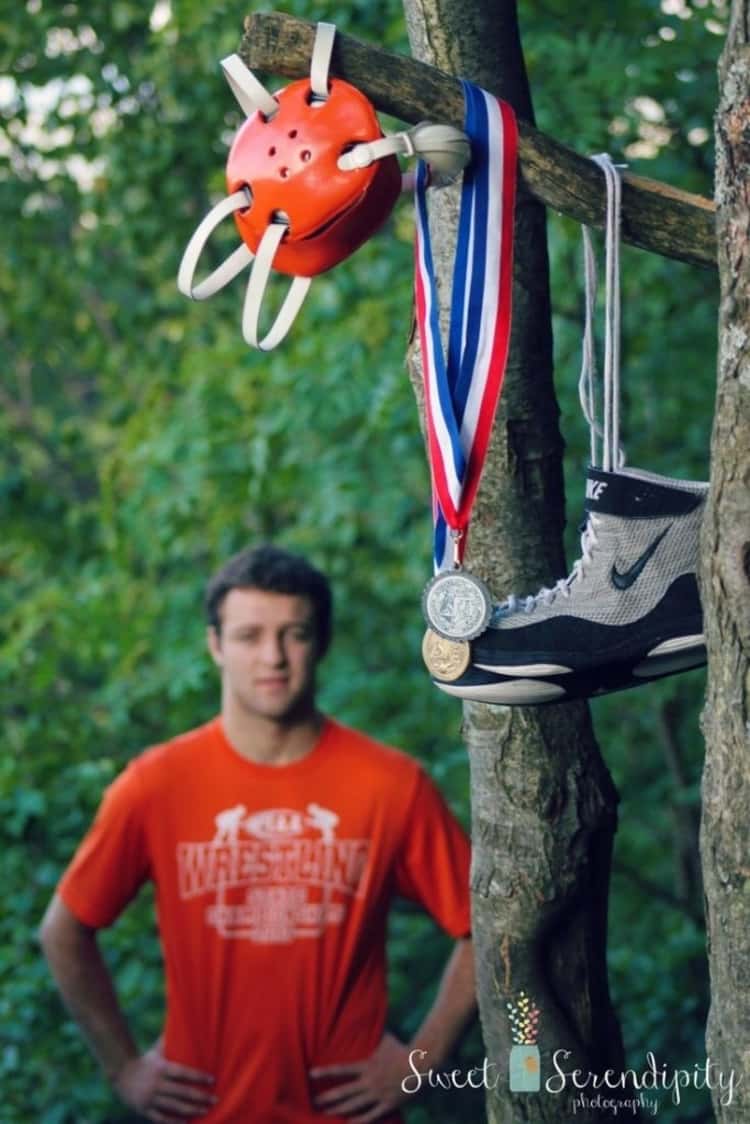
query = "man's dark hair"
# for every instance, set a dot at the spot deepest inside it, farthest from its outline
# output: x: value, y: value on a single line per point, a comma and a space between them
x: 273, y: 570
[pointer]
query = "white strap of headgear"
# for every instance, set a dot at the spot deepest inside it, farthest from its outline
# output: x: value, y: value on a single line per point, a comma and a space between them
x: 251, y: 94
x: 366, y: 153
x: 444, y: 147
x: 320, y: 61
x: 256, y: 291
x: 229, y: 269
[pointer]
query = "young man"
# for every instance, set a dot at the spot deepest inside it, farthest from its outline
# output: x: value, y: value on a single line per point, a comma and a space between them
x: 276, y: 838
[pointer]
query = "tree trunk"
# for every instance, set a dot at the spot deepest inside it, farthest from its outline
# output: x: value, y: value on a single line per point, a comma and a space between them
x: 725, y: 572
x: 543, y: 803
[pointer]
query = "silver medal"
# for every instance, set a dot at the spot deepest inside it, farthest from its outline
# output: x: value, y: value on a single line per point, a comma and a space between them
x: 457, y: 605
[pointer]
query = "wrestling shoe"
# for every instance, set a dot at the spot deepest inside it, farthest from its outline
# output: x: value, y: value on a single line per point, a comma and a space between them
x: 628, y: 612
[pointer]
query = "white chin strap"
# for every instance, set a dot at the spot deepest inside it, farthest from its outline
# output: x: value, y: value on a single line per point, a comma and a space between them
x: 256, y: 291
x: 234, y: 264
x: 444, y: 147
x: 229, y: 269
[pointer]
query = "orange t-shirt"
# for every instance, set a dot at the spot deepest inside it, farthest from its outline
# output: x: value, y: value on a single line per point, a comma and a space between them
x: 272, y: 886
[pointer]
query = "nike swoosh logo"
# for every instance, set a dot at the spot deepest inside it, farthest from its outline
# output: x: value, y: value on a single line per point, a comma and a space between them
x: 625, y: 580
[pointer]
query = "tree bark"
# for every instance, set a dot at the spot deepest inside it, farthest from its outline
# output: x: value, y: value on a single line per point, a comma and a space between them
x: 725, y: 573
x: 543, y: 803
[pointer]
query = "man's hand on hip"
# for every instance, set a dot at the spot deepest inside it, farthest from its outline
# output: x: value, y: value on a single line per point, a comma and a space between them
x: 375, y: 1086
x: 164, y: 1091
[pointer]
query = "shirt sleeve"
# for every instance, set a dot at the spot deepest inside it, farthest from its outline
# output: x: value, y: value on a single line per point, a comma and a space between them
x: 433, y: 863
x: 112, y: 861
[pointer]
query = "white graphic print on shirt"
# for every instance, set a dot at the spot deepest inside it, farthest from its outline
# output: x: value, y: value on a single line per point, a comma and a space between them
x: 277, y: 875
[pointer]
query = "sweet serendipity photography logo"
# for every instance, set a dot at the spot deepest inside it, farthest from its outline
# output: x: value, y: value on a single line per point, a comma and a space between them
x: 614, y: 1093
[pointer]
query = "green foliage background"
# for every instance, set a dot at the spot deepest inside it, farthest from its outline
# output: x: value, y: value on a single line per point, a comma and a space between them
x: 142, y: 442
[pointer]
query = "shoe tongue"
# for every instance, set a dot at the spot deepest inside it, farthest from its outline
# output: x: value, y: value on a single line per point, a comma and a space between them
x: 611, y: 493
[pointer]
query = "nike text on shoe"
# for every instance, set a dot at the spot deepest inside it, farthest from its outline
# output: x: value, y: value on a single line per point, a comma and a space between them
x: 628, y: 612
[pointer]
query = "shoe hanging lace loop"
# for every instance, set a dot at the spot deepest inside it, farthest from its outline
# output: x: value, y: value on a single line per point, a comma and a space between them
x: 612, y: 454
x: 586, y: 388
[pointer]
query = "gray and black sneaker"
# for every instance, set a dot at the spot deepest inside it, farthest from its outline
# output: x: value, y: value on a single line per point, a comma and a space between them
x: 628, y: 612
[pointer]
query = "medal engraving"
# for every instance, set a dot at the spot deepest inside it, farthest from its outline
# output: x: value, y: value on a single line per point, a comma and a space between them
x: 445, y: 659
x: 457, y: 605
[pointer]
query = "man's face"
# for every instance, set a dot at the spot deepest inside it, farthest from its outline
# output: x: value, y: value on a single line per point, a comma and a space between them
x: 267, y: 652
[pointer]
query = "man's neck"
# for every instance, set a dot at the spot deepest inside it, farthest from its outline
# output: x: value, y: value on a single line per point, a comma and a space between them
x: 268, y: 741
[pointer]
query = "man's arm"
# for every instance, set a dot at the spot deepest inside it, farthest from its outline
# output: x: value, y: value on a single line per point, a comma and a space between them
x: 376, y: 1085
x: 161, y: 1090
x: 454, y: 1005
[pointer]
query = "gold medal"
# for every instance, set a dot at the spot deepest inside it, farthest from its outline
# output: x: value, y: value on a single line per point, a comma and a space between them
x: 445, y: 659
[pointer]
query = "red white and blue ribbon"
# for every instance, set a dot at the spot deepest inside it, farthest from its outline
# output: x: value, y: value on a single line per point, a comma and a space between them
x: 462, y: 392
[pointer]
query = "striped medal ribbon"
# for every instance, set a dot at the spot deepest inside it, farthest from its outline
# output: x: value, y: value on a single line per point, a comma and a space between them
x: 462, y: 392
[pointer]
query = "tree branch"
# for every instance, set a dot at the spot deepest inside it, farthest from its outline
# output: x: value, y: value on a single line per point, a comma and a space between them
x: 655, y: 216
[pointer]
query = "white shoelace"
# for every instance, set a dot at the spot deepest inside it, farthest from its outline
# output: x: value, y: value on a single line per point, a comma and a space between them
x: 613, y: 456
x: 546, y: 595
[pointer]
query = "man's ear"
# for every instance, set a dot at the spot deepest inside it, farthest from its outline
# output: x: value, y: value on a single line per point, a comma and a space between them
x: 213, y: 642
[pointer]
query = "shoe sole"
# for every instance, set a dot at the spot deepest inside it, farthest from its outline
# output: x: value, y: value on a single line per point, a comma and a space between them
x: 665, y: 659
x: 516, y: 692
x: 525, y: 669
x: 677, y: 644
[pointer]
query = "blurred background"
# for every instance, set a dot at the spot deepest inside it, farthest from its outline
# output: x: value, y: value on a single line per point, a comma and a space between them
x: 142, y: 442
